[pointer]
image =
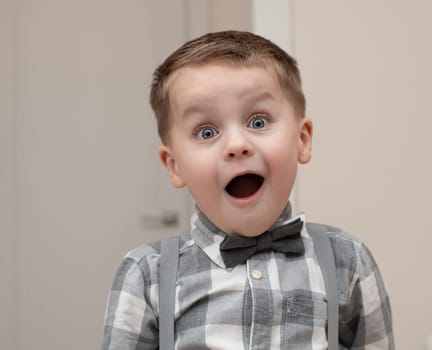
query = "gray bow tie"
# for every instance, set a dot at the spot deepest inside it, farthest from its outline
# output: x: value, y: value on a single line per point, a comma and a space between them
x: 286, y: 239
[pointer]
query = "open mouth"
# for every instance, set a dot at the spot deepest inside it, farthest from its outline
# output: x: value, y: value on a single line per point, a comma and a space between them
x: 245, y: 185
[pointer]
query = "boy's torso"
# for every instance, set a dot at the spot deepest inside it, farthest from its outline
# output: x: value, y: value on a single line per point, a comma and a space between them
x: 271, y: 301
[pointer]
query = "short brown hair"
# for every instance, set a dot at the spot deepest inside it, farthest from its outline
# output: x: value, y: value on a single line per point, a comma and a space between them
x: 235, y: 47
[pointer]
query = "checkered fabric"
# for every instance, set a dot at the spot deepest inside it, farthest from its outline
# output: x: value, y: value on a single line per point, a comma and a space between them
x: 273, y: 301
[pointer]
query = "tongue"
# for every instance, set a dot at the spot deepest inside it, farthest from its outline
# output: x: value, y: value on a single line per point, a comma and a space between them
x: 244, y: 186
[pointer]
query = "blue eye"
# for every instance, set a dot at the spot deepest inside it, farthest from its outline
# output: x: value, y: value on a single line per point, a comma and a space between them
x: 206, y: 133
x: 258, y: 122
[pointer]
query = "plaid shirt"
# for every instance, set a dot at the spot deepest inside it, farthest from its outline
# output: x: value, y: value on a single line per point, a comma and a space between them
x: 273, y: 301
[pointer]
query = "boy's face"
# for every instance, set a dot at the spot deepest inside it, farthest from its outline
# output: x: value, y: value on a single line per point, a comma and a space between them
x: 235, y: 142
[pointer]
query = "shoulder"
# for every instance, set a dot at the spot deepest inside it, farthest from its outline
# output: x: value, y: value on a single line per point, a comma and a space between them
x: 140, y: 266
x: 339, y: 238
x: 350, y: 252
x: 336, y: 234
x: 150, y: 252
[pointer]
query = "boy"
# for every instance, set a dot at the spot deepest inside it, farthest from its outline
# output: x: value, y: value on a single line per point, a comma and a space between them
x: 231, y: 117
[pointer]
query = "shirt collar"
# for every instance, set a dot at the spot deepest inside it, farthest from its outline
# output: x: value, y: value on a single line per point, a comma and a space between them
x: 208, y: 236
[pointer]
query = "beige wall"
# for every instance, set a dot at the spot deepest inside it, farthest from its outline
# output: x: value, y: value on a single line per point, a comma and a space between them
x: 8, y: 239
x: 74, y: 159
x: 367, y: 75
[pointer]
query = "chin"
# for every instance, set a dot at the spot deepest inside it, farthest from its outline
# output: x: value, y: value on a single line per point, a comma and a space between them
x: 250, y: 228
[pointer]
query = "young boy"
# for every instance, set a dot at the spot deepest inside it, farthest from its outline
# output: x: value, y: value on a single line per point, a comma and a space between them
x: 231, y: 117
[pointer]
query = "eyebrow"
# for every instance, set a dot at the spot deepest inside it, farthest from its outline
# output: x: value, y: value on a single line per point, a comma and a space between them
x: 206, y: 103
x: 261, y: 96
x: 200, y: 105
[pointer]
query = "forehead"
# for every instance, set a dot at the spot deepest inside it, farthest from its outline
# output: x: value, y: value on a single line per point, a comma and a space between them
x: 208, y: 83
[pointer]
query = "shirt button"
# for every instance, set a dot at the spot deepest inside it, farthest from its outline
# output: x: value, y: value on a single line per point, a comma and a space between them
x: 256, y: 274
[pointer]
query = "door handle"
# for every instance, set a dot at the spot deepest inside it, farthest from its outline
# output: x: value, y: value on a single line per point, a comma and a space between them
x: 166, y: 218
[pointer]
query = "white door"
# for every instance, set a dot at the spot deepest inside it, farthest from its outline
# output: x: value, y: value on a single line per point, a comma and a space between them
x: 89, y: 183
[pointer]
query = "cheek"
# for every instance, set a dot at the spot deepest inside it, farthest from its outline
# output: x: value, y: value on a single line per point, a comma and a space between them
x: 282, y: 154
x: 282, y: 162
x: 198, y: 171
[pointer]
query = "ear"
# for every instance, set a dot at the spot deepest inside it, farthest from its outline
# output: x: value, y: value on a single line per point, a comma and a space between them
x: 305, y: 140
x: 167, y: 158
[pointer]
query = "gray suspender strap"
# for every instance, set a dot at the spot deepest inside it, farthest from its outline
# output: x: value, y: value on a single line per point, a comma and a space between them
x: 325, y: 257
x: 167, y: 283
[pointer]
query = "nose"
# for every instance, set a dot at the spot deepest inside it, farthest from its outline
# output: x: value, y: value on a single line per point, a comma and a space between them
x: 237, y: 145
